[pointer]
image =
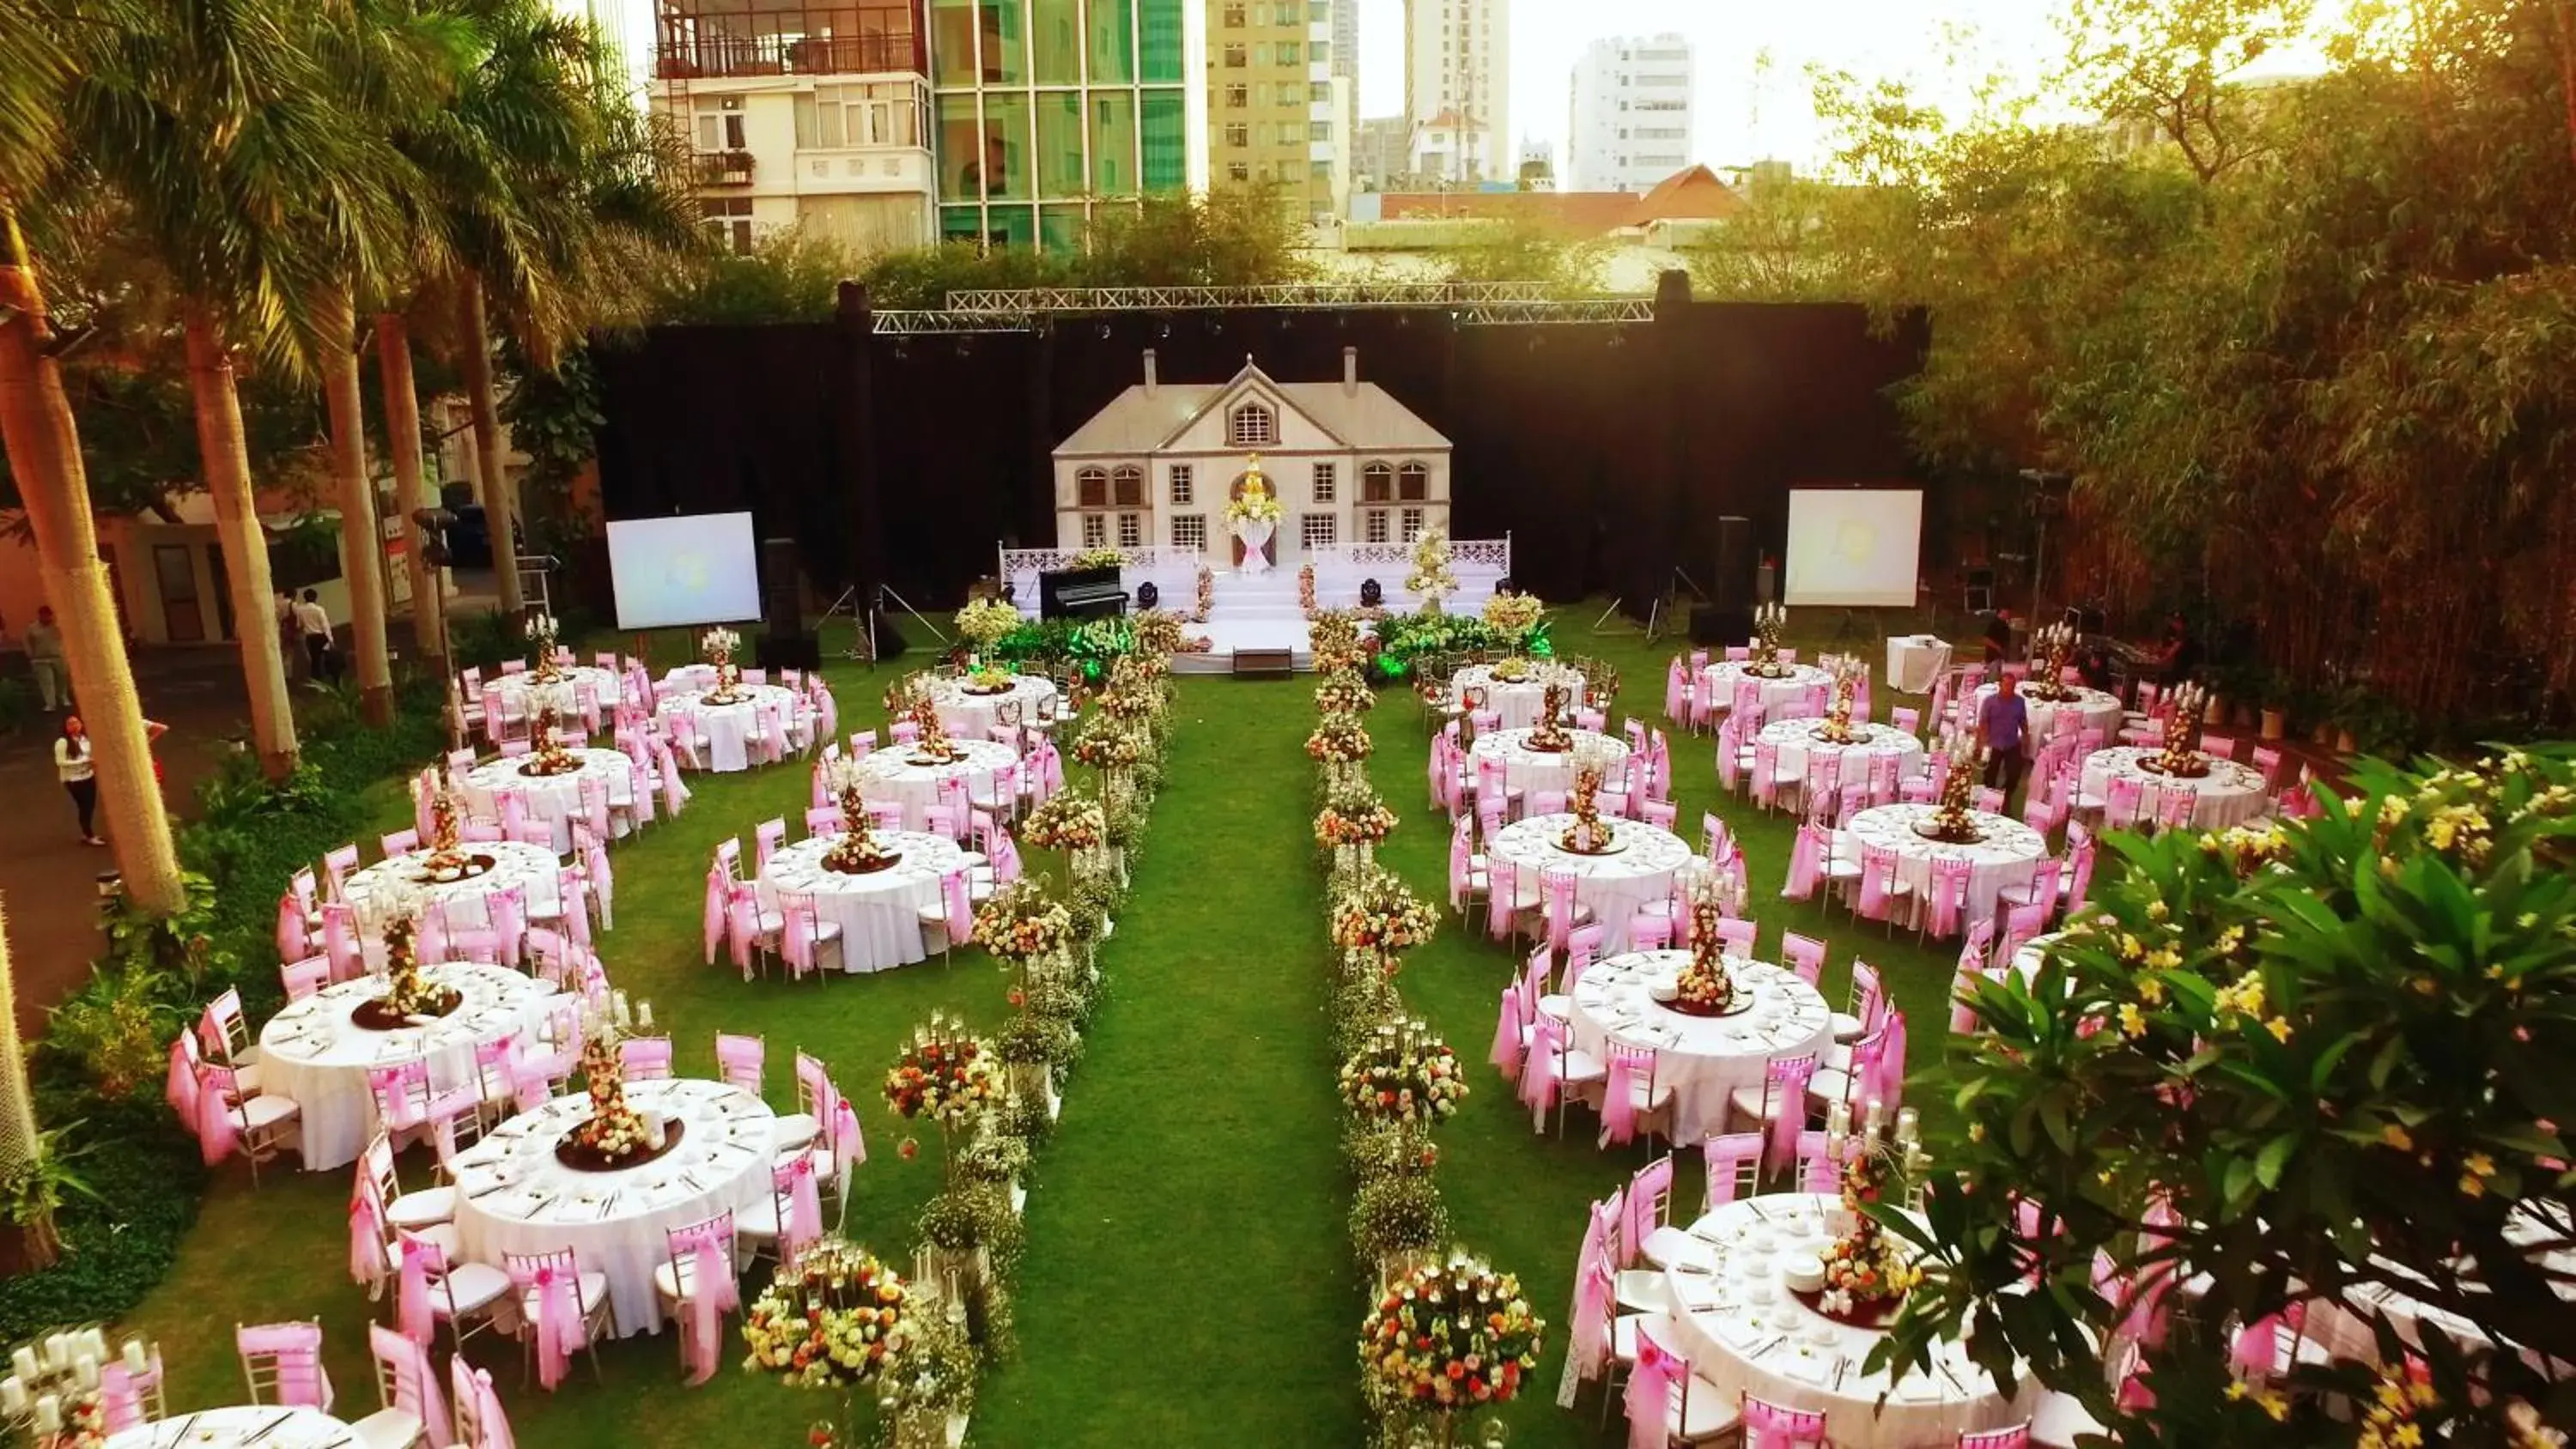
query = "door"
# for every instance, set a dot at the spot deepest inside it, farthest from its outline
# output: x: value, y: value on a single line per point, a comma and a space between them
x: 183, y: 619
x: 223, y: 588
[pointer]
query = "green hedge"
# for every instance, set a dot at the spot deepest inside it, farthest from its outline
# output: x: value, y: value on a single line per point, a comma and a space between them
x: 249, y: 839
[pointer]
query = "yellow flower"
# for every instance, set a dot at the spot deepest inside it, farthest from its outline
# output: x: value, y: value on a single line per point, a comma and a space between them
x: 2158, y: 910
x: 2279, y: 1027
x: 2479, y: 1164
x: 2397, y: 1137
x: 1976, y: 1131
x: 2391, y: 1393
x: 2406, y: 1436
x: 2163, y: 958
x: 2238, y: 1390
x: 2472, y: 1185
x: 2151, y: 991
x: 2422, y: 1394
x: 2130, y: 950
x: 2273, y: 1404
x: 2133, y: 1022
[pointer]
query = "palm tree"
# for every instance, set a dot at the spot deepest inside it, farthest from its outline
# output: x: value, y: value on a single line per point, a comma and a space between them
x: 22, y: 1146
x: 216, y: 123
x: 43, y: 445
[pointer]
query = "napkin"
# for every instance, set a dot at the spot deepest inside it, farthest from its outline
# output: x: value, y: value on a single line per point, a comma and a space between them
x: 1920, y: 1388
x: 1804, y: 1367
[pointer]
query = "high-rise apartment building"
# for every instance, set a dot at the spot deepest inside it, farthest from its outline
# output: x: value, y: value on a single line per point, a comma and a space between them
x: 1457, y: 82
x: 1381, y: 148
x: 1047, y: 109
x: 1632, y: 114
x: 1277, y: 113
x: 1346, y: 45
x: 813, y: 116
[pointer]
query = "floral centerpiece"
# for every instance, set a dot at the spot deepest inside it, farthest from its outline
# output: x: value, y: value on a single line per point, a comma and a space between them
x: 1867, y: 1272
x: 1431, y: 578
x: 1069, y: 820
x: 835, y: 1318
x: 1353, y: 815
x: 1949, y: 822
x: 407, y: 993
x: 1109, y: 743
x: 1447, y: 1338
x: 945, y: 1073
x: 1513, y: 613
x: 1256, y: 503
x: 614, y: 1134
x: 1099, y: 558
x: 1404, y: 1074
x: 1768, y: 621
x: 1019, y: 924
x: 542, y: 630
x: 2180, y: 754
x: 719, y: 645
x: 1377, y: 916
x: 1837, y: 728
x: 446, y: 859
x: 1705, y: 987
x: 1334, y: 640
x: 983, y: 623
x: 548, y: 757
x: 1550, y: 733
x: 2050, y: 647
x: 1344, y: 692
x: 1589, y: 834
x: 1158, y: 633
x: 931, y: 745
x: 1339, y: 739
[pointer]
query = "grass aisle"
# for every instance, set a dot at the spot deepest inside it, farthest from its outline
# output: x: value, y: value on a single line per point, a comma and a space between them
x: 1185, y: 1280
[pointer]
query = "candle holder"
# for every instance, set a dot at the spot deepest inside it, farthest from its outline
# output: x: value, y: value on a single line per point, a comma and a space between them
x: 53, y: 1392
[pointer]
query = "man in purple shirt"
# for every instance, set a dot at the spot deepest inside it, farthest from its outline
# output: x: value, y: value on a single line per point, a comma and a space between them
x: 2003, y: 725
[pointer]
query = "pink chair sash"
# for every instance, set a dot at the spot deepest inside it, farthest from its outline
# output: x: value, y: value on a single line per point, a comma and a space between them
x: 296, y: 1349
x: 849, y: 1145
x: 1592, y: 1295
x: 559, y: 1327
x: 1619, y: 1101
x: 412, y: 1311
x: 1538, y: 1075
x: 366, y: 1238
x: 474, y: 1386
x: 181, y: 1089
x: 217, y: 1134
x: 1771, y: 1426
x: 415, y: 1385
x: 1650, y: 1395
x: 1506, y: 1054
x: 1646, y: 1193
x: 715, y: 1295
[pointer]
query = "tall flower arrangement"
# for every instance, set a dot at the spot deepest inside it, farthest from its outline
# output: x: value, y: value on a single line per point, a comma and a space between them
x: 1338, y: 739
x: 542, y: 631
x: 719, y: 645
x: 1353, y: 814
x: 1550, y: 733
x: 945, y: 1073
x: 1333, y: 638
x: 1965, y: 759
x: 1377, y: 918
x: 1837, y: 728
x: 1404, y: 1075
x: 1768, y: 623
x: 2051, y: 646
x: 2185, y: 707
x: 1705, y: 987
x: 1431, y: 580
x: 1589, y: 834
x: 1442, y: 1342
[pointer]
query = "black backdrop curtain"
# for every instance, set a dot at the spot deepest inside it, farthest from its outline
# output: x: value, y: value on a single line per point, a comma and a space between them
x: 1607, y: 451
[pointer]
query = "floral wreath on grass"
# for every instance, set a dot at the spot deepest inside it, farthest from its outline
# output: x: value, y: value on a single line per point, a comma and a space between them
x: 1070, y: 820
x: 1344, y: 692
x: 835, y: 1318
x: 1447, y: 1337
x: 1021, y: 923
x: 1339, y: 739
x: 1405, y: 1074
x: 1378, y: 915
x: 1353, y: 814
x: 945, y: 1073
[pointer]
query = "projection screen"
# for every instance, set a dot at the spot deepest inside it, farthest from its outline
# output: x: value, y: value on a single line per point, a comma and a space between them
x: 1854, y: 547
x: 696, y: 569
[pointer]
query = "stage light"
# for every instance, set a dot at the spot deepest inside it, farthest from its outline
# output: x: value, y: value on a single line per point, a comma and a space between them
x: 1104, y: 331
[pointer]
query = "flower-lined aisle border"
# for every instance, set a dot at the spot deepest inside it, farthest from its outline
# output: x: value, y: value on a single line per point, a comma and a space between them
x: 1445, y: 1335
x: 914, y: 1363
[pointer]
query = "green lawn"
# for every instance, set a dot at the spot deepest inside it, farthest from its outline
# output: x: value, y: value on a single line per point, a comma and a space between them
x: 1187, y: 1279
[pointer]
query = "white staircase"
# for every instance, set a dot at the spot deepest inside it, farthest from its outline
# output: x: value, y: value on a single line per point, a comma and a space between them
x: 1249, y: 613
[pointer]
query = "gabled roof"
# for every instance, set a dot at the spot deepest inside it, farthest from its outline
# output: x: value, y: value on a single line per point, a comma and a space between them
x: 1694, y: 194
x: 1367, y: 418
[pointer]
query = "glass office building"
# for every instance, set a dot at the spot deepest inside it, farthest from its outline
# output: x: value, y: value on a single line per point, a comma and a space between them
x: 1045, y: 108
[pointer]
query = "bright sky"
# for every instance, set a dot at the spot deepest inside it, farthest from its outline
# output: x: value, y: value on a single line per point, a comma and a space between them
x: 1752, y: 60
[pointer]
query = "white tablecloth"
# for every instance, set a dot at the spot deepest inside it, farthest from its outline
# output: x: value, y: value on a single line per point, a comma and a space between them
x: 890, y: 774
x: 1613, y: 885
x: 514, y: 1197
x: 514, y: 863
x: 243, y: 1424
x: 730, y: 728
x: 972, y: 716
x: 2006, y: 857
x: 1518, y: 702
x: 313, y: 1053
x: 1797, y: 740
x: 1776, y: 693
x: 2230, y: 794
x: 877, y: 914
x: 2343, y: 1329
x: 521, y: 695
x: 1702, y: 1058
x: 1743, y: 1332
x: 1530, y: 771
x: 554, y: 799
x: 2092, y: 709
x: 1915, y: 662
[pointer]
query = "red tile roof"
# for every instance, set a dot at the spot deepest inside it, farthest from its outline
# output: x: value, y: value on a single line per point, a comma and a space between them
x: 1691, y: 195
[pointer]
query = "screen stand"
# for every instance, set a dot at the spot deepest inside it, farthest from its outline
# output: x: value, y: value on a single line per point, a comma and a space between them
x: 1857, y: 625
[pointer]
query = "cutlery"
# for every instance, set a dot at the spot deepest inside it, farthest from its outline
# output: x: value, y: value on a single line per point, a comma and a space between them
x: 271, y: 1429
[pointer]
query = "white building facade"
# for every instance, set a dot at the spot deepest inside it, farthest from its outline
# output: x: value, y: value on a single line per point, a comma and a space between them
x: 1157, y: 466
x: 1458, y: 65
x: 1633, y: 108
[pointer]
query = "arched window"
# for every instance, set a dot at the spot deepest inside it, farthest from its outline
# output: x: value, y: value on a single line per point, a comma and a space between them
x: 1251, y: 426
x: 1377, y: 483
x: 1091, y: 488
x: 1127, y: 485
x: 1412, y: 482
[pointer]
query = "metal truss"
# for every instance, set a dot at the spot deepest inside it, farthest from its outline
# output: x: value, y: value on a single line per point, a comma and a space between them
x: 910, y: 324
x: 1463, y: 311
x: 1035, y: 301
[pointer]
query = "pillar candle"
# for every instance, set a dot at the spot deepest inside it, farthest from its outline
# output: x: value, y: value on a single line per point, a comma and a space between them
x: 137, y: 1358
x: 85, y: 1372
x: 644, y: 1014
x: 24, y: 1361
x: 13, y: 1395
x: 49, y: 1415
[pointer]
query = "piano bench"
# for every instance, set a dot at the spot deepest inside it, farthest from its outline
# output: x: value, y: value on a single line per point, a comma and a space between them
x: 1264, y: 663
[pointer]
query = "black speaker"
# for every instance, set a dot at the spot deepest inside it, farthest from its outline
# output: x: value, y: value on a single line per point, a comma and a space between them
x: 888, y: 643
x: 778, y: 651
x: 1713, y: 625
x: 782, y: 607
x: 1734, y: 583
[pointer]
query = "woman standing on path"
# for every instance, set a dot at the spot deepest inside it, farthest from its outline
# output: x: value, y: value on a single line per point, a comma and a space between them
x: 73, y: 766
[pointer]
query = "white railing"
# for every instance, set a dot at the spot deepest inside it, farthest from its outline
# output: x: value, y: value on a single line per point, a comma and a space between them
x: 1172, y: 571
x: 1480, y: 555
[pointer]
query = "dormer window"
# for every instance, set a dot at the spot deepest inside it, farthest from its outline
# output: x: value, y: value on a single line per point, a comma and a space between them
x: 1252, y: 426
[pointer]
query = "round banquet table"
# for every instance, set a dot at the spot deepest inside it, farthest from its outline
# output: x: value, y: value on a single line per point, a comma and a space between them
x: 1743, y: 1332
x: 2344, y: 1329
x: 1530, y: 771
x: 878, y: 913
x: 1613, y: 885
x: 269, y: 1426
x: 1797, y: 741
x: 2092, y: 709
x: 2007, y: 856
x: 2230, y: 794
x: 968, y: 715
x: 521, y: 695
x: 460, y: 902
x: 1720, y: 679
x: 730, y: 728
x: 891, y: 774
x: 554, y: 799
x: 314, y: 1053
x: 514, y: 1197
x: 1517, y: 701
x: 1702, y: 1058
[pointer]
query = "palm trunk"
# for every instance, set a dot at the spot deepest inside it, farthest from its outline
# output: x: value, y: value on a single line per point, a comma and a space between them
x: 21, y: 1147
x: 43, y: 442
x: 411, y: 489
x: 226, y: 460
x: 362, y: 544
x: 498, y: 506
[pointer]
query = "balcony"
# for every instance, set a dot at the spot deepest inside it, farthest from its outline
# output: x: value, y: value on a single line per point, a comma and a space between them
x: 727, y: 39
x: 724, y: 168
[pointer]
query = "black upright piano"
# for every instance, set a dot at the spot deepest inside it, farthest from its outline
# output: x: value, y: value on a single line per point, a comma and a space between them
x: 1080, y: 594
